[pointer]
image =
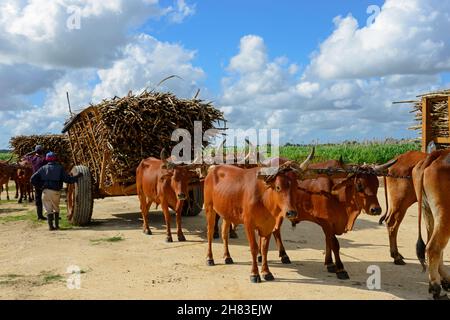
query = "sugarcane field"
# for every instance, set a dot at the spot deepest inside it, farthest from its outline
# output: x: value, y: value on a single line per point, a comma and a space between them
x: 184, y: 151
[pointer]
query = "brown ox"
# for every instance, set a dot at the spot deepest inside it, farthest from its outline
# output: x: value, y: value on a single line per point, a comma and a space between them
x: 241, y: 196
x: 431, y: 179
x: 7, y: 173
x: 23, y: 180
x: 334, y: 204
x: 400, y: 195
x: 166, y: 184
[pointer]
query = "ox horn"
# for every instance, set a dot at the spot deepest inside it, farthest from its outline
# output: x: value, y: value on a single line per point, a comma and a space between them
x: 385, y: 166
x: 163, y: 155
x: 219, y: 149
x: 259, y: 155
x: 251, y: 147
x: 308, y: 160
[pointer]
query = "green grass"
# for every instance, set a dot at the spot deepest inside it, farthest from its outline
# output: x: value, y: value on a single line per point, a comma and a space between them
x: 5, y: 155
x: 356, y: 153
x: 370, y: 152
x: 49, y: 277
x: 31, y: 217
x: 43, y: 278
x: 117, y: 238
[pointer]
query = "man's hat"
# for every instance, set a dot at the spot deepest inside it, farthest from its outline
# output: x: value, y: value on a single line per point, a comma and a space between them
x: 38, y: 148
x: 50, y: 157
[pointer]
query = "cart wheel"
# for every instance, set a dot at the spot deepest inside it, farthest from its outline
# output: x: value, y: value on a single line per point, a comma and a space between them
x: 194, y: 205
x: 80, y: 201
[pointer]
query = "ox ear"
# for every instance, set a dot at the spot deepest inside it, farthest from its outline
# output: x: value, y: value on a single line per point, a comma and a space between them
x: 166, y: 175
x: 343, y: 184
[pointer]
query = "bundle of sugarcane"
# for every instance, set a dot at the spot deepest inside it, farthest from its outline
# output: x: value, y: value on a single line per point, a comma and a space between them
x: 59, y: 144
x: 111, y: 138
x: 439, y: 114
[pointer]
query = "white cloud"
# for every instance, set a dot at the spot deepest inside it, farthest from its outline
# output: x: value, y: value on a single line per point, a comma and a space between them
x: 408, y: 37
x: 307, y: 89
x: 36, y: 32
x: 181, y: 11
x: 40, y: 55
x: 262, y: 93
x: 146, y: 62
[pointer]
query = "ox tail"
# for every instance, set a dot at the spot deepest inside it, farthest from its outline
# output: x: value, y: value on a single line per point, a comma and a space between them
x: 385, y: 216
x: 139, y: 189
x: 420, y: 245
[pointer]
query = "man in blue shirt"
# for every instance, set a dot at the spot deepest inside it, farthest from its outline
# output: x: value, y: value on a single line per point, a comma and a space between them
x: 50, y: 178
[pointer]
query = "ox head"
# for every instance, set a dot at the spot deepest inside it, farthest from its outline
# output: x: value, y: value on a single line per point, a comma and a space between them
x: 362, y: 186
x: 179, y: 176
x: 283, y: 185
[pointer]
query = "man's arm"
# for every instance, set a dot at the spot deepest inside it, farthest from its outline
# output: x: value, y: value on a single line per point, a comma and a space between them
x: 36, y: 179
x: 70, y: 179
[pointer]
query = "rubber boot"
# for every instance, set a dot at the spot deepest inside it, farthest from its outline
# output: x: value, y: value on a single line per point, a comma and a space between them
x: 39, y: 214
x: 50, y: 219
x: 57, y: 221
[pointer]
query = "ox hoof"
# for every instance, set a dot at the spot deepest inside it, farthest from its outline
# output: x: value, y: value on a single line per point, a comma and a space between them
x: 445, y: 285
x: 435, y: 290
x: 259, y: 259
x: 233, y: 235
x: 216, y: 235
x: 285, y: 260
x: 342, y: 275
x: 331, y: 268
x: 268, y: 277
x: 182, y: 238
x: 148, y: 232
x: 210, y: 263
x: 229, y: 261
x: 399, y: 262
x: 255, y: 279
x: 169, y: 240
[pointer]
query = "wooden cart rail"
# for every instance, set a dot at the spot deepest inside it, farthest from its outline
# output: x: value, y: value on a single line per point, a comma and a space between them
x: 427, y: 123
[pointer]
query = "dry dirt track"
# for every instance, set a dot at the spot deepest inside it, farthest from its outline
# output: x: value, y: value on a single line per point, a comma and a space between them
x: 145, y: 267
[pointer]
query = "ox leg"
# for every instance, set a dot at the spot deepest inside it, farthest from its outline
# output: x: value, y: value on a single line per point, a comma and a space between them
x: 282, y: 251
x: 210, y: 220
x: 180, y: 234
x: 340, y: 271
x: 435, y: 248
x: 233, y: 234
x: 145, y: 207
x: 267, y: 275
x: 393, y: 222
x: 216, y: 227
x: 17, y: 190
x: 7, y: 190
x: 445, y: 276
x: 225, y: 235
x: 21, y: 194
x: 165, y: 209
x: 259, y: 250
x: 30, y: 195
x: 331, y: 267
x: 254, y: 276
x: 232, y: 231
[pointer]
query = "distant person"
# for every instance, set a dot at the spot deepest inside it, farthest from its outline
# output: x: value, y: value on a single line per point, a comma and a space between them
x: 51, y: 178
x: 37, y: 160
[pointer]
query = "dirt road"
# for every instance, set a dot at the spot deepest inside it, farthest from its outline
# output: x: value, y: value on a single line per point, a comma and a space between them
x: 117, y: 261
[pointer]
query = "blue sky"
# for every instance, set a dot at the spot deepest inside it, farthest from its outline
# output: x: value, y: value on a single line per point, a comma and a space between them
x: 290, y: 28
x: 313, y: 69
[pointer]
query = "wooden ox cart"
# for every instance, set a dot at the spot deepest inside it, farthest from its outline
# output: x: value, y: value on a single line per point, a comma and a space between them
x: 109, y: 140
